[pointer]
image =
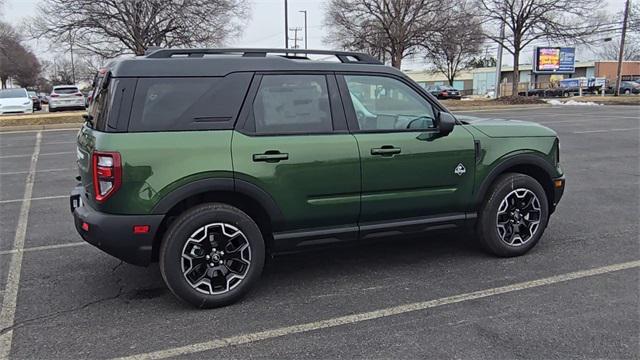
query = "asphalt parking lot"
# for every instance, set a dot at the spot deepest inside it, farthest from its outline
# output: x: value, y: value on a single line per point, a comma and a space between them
x: 576, y: 295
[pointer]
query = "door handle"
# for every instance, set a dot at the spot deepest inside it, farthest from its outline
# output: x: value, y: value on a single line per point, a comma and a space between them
x: 386, y: 150
x: 271, y: 156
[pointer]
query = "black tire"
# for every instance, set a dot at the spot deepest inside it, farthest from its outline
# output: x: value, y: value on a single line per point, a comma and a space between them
x: 487, y: 226
x: 51, y: 110
x: 175, y: 241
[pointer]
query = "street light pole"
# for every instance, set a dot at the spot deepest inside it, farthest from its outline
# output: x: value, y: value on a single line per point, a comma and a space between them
x: 286, y: 25
x: 621, y: 54
x: 305, y: 28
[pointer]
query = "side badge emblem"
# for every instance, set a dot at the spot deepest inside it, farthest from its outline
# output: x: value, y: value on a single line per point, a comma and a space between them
x: 460, y: 170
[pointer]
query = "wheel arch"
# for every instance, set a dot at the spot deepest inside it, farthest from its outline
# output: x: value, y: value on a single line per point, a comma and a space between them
x: 250, y: 198
x: 529, y: 164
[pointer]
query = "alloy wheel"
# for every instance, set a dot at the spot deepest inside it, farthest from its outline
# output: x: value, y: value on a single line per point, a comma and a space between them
x: 216, y: 258
x: 518, y: 217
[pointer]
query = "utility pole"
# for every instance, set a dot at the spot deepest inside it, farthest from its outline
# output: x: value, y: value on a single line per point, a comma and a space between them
x: 286, y: 25
x: 295, y: 36
x: 499, y: 63
x: 305, y: 28
x: 73, y: 68
x: 621, y: 54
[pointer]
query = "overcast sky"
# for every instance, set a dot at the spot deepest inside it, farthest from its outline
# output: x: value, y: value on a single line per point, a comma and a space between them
x: 265, y: 28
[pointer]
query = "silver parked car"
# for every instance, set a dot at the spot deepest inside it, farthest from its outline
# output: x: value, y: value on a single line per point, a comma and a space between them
x: 66, y: 97
x: 15, y: 101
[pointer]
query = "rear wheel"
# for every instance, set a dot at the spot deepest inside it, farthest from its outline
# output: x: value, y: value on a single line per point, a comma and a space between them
x: 212, y: 255
x: 514, y: 215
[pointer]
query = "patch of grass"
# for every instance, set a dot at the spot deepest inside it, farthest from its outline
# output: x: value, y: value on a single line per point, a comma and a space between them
x: 42, y: 119
x: 610, y: 100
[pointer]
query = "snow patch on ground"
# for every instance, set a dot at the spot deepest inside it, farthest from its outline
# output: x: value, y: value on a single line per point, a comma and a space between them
x: 572, y: 102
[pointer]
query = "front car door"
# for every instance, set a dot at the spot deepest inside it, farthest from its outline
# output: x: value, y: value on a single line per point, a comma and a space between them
x: 294, y: 144
x: 409, y: 170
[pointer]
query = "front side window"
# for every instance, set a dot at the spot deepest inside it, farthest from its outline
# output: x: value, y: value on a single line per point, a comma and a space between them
x: 292, y: 104
x: 383, y: 103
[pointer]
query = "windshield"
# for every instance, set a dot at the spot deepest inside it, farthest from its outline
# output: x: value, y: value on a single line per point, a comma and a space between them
x: 12, y: 93
x: 66, y: 90
x: 32, y: 93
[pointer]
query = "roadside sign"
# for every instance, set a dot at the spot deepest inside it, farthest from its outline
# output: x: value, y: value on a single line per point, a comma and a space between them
x: 554, y: 60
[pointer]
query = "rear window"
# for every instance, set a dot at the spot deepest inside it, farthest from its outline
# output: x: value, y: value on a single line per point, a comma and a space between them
x: 66, y: 90
x: 179, y: 104
x: 12, y: 93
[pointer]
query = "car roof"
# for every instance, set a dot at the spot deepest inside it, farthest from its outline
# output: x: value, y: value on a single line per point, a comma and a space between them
x: 220, y: 62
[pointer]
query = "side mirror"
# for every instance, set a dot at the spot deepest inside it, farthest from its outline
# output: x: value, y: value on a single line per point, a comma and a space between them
x: 446, y: 122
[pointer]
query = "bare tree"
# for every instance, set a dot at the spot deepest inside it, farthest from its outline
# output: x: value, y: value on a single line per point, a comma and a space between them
x: 392, y: 27
x: 16, y: 61
x: 634, y: 17
x: 452, y: 48
x: 610, y: 50
x: 529, y: 20
x: 113, y: 27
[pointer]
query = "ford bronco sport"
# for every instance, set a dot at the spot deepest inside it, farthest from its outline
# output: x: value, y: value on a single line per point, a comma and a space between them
x: 206, y: 160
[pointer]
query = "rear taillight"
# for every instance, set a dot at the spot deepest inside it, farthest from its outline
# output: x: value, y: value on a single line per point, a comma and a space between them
x: 107, y: 174
x: 54, y: 95
x: 443, y: 93
x: 78, y: 94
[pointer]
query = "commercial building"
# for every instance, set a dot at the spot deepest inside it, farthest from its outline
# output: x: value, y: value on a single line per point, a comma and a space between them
x: 482, y: 80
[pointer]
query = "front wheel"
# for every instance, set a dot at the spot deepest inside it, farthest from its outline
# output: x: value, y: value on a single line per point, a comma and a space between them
x: 212, y: 255
x: 513, y: 216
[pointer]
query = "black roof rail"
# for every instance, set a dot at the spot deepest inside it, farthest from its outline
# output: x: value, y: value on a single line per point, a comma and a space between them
x: 343, y: 56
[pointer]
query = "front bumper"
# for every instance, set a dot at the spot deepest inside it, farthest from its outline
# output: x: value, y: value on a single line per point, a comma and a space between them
x: 113, y: 234
x: 558, y: 191
x: 26, y: 109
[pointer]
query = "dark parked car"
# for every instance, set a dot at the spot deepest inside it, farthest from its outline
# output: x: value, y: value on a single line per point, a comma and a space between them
x: 209, y: 164
x: 444, y: 92
x: 37, y: 104
x: 629, y: 87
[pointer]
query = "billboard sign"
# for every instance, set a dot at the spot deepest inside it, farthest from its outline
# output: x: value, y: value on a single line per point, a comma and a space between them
x: 554, y: 60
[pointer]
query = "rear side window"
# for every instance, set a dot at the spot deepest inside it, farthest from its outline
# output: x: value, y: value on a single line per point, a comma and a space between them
x: 177, y: 104
x: 99, y: 108
x: 292, y: 104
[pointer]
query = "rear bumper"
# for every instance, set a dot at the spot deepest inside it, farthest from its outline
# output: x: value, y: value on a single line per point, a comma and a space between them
x: 67, y: 105
x: 113, y: 234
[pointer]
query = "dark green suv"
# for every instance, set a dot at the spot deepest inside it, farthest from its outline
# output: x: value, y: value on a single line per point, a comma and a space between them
x: 209, y: 159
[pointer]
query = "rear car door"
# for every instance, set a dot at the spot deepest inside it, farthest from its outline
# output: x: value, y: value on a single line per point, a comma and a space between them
x: 292, y: 142
x: 408, y: 168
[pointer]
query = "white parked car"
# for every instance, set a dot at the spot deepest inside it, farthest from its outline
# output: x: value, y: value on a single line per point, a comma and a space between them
x: 66, y: 97
x: 15, y: 101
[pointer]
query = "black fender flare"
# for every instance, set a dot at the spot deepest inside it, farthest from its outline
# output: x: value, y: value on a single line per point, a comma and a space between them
x: 519, y: 159
x: 224, y: 185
